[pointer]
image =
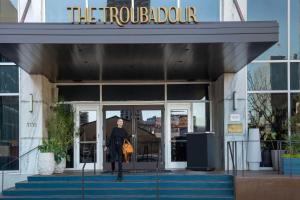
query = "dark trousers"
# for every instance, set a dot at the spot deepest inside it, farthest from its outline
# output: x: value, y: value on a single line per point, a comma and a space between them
x: 118, y: 151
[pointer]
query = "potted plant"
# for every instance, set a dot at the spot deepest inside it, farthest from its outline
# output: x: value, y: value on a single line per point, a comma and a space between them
x: 267, y: 137
x: 60, y: 127
x: 46, y: 162
x: 291, y: 160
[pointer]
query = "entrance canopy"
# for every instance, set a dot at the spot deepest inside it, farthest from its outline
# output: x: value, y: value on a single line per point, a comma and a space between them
x: 68, y: 52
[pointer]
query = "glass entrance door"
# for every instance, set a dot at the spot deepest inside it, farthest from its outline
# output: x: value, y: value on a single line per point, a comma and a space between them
x: 144, y: 126
x: 86, y: 144
x: 178, y: 125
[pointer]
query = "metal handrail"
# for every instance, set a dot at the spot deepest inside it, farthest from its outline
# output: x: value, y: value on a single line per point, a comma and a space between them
x: 232, y: 149
x: 231, y: 152
x: 14, y: 160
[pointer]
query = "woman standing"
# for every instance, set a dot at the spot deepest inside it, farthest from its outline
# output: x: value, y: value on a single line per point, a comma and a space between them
x: 116, y: 140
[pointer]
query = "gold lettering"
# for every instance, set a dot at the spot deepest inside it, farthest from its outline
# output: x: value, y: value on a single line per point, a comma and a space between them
x: 172, y: 21
x: 181, y: 19
x: 133, y: 17
x: 144, y: 15
x: 72, y: 13
x: 104, y: 13
x: 122, y: 15
x: 84, y: 18
x: 91, y: 18
x: 161, y: 20
x: 152, y: 16
x: 114, y: 15
x: 192, y: 15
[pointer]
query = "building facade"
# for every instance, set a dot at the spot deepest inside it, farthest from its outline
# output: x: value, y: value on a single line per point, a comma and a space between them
x: 159, y: 98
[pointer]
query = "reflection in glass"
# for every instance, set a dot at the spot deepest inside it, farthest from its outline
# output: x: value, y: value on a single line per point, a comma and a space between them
x: 259, y: 10
x: 56, y: 10
x: 9, y: 131
x: 111, y: 118
x: 149, y: 133
x: 9, y: 11
x: 207, y: 10
x: 269, y: 113
x: 88, y: 134
x: 295, y: 76
x: 267, y: 76
x: 9, y: 79
x: 201, y: 117
x: 295, y: 29
x: 179, y: 129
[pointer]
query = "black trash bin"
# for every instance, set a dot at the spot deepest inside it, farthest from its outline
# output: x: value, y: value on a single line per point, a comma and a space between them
x: 200, y: 151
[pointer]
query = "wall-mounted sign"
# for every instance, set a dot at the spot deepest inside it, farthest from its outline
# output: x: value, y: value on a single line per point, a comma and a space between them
x: 235, y: 117
x: 139, y: 15
x: 235, y: 128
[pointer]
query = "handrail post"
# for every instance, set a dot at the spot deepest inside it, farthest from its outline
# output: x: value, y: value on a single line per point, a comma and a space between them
x: 2, y: 180
x: 157, y: 179
x: 82, y: 181
x: 243, y: 158
x: 227, y: 157
x: 95, y: 159
x: 236, y: 161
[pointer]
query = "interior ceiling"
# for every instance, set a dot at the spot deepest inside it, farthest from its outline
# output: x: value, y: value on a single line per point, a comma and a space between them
x: 94, y: 62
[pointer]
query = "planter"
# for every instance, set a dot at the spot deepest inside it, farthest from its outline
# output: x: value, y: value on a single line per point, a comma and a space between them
x: 276, y: 161
x: 46, y: 163
x: 254, y: 150
x: 266, y: 158
x: 291, y: 166
x: 60, y: 167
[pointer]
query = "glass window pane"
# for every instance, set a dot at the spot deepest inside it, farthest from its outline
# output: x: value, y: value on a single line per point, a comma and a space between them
x: 295, y: 102
x: 267, y: 76
x: 207, y: 10
x: 9, y: 79
x: 149, y: 133
x: 295, y: 76
x: 9, y: 131
x: 133, y: 93
x: 9, y: 11
x: 295, y: 29
x: 88, y: 134
x: 79, y: 92
x: 187, y: 92
x: 201, y: 117
x: 179, y: 129
x: 268, y: 112
x: 56, y: 10
x: 259, y: 10
x: 3, y: 59
x: 160, y: 3
x: 118, y: 3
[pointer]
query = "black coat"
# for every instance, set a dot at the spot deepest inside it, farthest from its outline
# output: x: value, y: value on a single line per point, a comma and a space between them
x: 116, y: 140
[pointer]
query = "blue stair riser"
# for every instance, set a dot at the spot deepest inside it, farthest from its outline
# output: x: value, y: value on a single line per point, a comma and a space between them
x: 125, y: 198
x: 113, y: 192
x: 126, y: 185
x: 133, y: 178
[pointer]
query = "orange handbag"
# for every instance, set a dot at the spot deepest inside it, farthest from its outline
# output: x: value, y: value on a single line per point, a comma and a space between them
x: 127, y: 149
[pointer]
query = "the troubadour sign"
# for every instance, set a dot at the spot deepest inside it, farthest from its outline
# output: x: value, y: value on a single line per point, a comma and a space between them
x: 139, y: 15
